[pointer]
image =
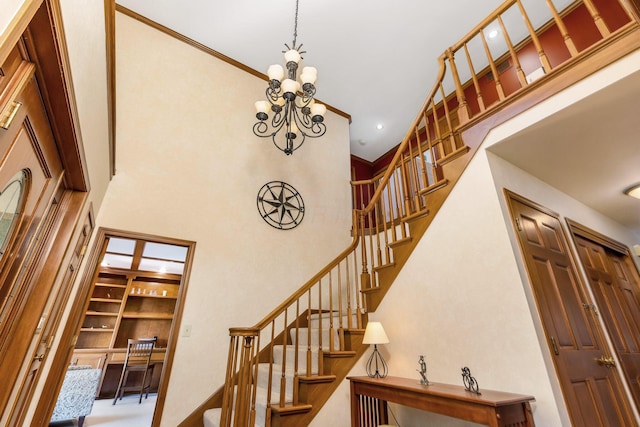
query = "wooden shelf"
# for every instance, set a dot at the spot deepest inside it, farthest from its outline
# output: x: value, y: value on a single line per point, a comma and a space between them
x: 110, y: 285
x: 152, y: 296
x: 101, y: 313
x: 96, y: 330
x: 110, y: 300
x: 156, y: 316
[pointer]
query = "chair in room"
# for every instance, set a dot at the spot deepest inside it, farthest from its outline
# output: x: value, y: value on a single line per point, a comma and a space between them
x: 137, y: 360
x: 77, y: 394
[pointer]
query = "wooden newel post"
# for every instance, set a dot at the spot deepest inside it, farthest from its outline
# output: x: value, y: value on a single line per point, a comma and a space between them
x: 245, y: 383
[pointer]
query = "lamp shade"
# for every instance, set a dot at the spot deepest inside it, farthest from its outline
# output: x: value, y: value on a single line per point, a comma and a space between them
x: 275, y: 72
x: 262, y: 106
x: 320, y: 110
x: 290, y: 86
x: 292, y: 55
x: 375, y: 334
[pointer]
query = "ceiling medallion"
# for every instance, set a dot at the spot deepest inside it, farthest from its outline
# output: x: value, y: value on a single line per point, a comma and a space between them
x: 291, y: 102
x: 280, y: 205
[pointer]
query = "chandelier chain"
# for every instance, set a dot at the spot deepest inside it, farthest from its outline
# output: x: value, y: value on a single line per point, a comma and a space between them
x: 295, y: 26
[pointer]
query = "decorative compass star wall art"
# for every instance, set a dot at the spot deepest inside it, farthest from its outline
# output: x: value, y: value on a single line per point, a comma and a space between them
x: 280, y: 205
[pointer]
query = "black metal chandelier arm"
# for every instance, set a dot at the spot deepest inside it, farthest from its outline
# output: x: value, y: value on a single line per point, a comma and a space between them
x: 289, y: 145
x: 308, y: 93
x: 278, y: 120
x: 306, y: 124
x: 273, y: 93
x: 318, y: 129
x: 260, y: 128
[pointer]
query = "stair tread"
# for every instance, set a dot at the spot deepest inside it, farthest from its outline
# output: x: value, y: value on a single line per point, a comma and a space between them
x: 434, y: 187
x: 341, y: 353
x: 317, y: 379
x: 291, y: 409
x: 400, y: 242
x: 383, y: 266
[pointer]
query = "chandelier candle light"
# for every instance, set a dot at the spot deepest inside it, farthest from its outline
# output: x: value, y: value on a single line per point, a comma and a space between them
x: 291, y: 102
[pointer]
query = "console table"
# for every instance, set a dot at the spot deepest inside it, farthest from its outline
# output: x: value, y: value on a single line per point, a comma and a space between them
x: 369, y: 397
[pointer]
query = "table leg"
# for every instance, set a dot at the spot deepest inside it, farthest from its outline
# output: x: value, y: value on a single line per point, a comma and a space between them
x: 355, y: 407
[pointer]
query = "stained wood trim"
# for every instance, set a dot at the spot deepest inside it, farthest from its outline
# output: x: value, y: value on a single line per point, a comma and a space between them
x: 46, y: 46
x: 171, y: 346
x: 583, y: 231
x: 110, y: 39
x: 74, y: 202
x: 209, y: 51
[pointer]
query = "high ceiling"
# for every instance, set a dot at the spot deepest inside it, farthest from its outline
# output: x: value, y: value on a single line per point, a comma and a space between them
x: 377, y: 61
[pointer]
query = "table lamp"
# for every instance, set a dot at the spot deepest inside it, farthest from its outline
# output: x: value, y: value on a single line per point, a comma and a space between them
x: 375, y: 334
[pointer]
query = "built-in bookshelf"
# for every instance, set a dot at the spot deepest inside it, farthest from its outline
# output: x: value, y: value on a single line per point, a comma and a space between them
x: 128, y: 305
x: 134, y: 295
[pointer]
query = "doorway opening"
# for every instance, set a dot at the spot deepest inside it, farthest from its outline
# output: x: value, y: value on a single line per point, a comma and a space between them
x: 136, y: 290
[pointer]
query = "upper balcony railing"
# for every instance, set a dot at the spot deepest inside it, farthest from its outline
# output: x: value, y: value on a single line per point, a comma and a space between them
x: 533, y: 41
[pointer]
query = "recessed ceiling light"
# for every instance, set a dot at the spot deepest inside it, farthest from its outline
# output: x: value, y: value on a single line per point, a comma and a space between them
x: 633, y: 191
x: 493, y: 34
x: 362, y: 142
x: 379, y: 126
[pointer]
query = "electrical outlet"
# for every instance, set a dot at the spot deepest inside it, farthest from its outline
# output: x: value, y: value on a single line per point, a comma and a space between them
x: 186, y: 331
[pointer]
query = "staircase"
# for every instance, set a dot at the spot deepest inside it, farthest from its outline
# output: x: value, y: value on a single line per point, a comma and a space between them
x: 282, y: 370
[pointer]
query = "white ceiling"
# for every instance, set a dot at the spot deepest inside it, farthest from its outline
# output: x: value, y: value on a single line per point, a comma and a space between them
x: 377, y: 61
x: 590, y: 150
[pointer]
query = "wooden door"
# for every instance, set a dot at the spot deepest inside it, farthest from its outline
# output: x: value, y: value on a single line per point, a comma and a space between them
x: 39, y: 139
x: 27, y: 144
x: 615, y: 286
x: 593, y: 391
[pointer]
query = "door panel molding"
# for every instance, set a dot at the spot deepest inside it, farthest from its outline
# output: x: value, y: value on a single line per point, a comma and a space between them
x: 575, y: 228
x: 594, y: 393
x: 615, y: 283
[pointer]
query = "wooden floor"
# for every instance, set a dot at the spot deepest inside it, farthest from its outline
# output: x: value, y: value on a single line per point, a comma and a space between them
x: 127, y: 412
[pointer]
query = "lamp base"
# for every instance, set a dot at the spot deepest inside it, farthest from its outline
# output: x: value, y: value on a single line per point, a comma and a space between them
x: 376, y: 366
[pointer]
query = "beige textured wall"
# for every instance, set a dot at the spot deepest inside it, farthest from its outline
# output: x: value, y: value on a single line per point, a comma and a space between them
x: 9, y: 10
x: 483, y: 315
x: 189, y: 167
x: 84, y: 28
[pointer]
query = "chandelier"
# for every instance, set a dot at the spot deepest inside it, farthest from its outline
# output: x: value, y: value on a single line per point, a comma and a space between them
x: 295, y: 114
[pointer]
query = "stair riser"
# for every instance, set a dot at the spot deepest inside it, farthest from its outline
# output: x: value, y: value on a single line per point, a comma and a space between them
x: 303, y: 338
x: 317, y: 320
x: 278, y: 352
x: 211, y: 417
x: 263, y: 382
